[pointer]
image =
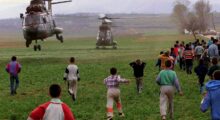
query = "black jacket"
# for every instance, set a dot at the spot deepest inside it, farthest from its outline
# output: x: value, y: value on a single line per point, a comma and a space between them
x: 138, y: 69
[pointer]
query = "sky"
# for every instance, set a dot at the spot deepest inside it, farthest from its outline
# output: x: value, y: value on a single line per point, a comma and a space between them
x: 12, y: 8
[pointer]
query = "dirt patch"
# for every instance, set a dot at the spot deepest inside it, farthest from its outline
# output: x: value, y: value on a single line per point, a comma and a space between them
x: 11, y: 44
x: 141, y: 39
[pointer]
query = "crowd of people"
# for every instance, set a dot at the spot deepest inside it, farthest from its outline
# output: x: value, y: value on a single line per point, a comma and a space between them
x: 207, y: 57
x: 182, y: 54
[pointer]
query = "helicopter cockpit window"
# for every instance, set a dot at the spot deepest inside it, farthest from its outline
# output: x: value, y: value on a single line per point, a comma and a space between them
x: 32, y: 20
x: 101, y: 34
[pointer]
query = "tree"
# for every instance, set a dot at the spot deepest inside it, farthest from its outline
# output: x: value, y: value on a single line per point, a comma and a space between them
x: 184, y: 2
x: 196, y: 20
x: 192, y: 23
x: 203, y: 11
x: 180, y: 12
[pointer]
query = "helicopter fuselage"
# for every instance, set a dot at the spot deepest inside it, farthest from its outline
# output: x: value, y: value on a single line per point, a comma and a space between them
x: 105, y: 37
x: 38, y: 23
x: 39, y: 26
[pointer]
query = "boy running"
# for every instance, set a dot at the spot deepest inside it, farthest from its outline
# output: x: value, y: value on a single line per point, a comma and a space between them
x: 159, y: 61
x: 72, y: 76
x: 138, y: 67
x: 212, y: 98
x: 167, y: 79
x: 113, y: 94
x: 164, y: 57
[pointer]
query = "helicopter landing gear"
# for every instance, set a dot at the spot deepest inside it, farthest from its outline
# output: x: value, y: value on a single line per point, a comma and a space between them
x: 37, y: 47
x: 59, y: 37
x: 97, y: 45
x: 114, y: 47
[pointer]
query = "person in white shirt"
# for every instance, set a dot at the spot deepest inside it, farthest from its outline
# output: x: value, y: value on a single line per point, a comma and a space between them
x: 213, y: 50
x: 199, y: 50
x: 72, y: 76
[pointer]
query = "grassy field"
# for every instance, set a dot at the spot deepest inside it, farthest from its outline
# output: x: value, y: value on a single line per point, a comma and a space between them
x: 41, y: 69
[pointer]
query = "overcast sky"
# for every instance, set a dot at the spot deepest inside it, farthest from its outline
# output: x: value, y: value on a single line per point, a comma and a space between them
x: 12, y: 8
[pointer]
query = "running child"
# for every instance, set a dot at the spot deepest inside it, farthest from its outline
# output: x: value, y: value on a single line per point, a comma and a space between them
x: 113, y: 93
x: 72, y: 76
x: 167, y: 80
x: 138, y: 67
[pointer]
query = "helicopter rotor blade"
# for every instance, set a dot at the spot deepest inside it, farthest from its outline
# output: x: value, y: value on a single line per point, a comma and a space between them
x: 50, y: 3
x: 53, y: 3
x: 105, y: 16
x: 59, y: 1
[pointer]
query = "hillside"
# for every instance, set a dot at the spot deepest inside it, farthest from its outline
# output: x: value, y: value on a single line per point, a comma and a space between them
x: 86, y: 25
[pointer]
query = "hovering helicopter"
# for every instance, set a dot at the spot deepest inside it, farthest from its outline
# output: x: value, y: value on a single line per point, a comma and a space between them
x: 38, y: 22
x: 105, y: 36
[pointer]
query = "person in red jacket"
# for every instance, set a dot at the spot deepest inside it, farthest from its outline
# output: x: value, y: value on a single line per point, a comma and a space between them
x: 176, y: 48
x: 53, y: 110
x: 188, y: 57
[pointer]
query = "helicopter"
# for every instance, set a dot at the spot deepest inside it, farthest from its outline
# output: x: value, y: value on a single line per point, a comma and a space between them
x: 105, y: 36
x: 38, y: 22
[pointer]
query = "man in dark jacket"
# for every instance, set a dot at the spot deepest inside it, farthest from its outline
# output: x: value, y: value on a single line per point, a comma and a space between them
x: 212, y: 98
x: 201, y: 71
x: 138, y: 67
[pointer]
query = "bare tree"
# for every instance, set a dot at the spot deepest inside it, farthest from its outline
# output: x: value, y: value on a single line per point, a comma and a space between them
x: 184, y: 2
x: 192, y: 23
x: 180, y: 12
x: 203, y: 11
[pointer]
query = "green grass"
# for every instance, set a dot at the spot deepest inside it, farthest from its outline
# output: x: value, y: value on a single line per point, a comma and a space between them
x: 41, y: 69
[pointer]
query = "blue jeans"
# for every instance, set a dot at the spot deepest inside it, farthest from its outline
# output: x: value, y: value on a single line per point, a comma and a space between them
x: 14, y: 83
